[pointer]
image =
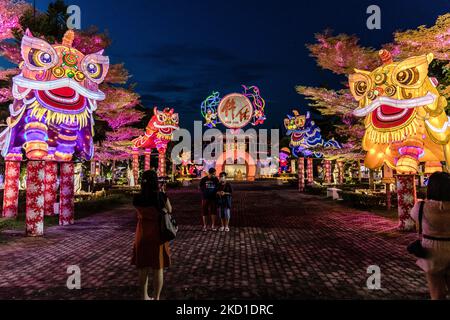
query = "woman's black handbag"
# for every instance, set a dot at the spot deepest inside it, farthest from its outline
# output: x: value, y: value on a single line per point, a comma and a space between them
x: 416, y: 247
x: 167, y: 225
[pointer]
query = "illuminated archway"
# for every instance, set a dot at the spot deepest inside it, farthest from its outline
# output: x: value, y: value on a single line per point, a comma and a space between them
x: 249, y: 162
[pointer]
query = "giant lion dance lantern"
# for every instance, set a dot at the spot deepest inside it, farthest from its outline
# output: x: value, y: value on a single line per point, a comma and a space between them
x: 405, y: 122
x: 51, y: 119
x: 305, y: 136
x: 157, y: 135
x: 405, y: 118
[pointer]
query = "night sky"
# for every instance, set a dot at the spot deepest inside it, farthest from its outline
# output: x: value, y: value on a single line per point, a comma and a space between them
x: 179, y: 51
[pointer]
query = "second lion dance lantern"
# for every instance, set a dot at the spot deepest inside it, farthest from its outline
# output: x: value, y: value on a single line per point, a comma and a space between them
x: 157, y: 135
x: 305, y: 137
x: 405, y: 122
x: 51, y: 119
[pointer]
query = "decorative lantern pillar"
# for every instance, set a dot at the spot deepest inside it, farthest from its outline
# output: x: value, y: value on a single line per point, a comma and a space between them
x: 327, y: 166
x: 50, y: 187
x: 162, y: 163
x: 147, y: 155
x: 135, y: 154
x: 11, y: 191
x: 93, y: 167
x: 293, y: 168
x: 359, y: 171
x: 406, y: 194
x: 35, y: 198
x: 66, y: 197
x: 309, y: 170
x: 340, y: 165
x: 174, y: 169
x: 301, y: 174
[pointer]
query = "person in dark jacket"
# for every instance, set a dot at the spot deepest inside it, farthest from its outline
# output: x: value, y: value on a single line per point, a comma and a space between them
x: 208, y: 188
x: 149, y: 253
x: 224, y: 193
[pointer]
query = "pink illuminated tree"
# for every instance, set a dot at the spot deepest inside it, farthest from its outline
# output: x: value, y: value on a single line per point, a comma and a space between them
x: 342, y: 53
x: 10, y: 13
x: 119, y: 112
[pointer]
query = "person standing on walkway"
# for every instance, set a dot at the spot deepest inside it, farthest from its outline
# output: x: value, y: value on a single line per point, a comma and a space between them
x: 149, y: 253
x: 435, y: 212
x: 224, y: 193
x: 208, y: 188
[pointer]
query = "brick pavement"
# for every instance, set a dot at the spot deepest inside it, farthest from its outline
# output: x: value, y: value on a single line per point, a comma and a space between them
x: 282, y: 245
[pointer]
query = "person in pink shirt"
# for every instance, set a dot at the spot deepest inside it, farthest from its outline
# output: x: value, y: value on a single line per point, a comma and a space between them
x: 436, y: 234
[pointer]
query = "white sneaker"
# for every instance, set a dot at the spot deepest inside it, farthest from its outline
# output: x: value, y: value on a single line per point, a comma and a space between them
x: 221, y: 229
x: 204, y: 229
x: 227, y: 229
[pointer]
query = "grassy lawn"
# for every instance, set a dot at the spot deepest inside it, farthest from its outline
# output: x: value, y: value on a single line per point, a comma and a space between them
x: 82, y: 209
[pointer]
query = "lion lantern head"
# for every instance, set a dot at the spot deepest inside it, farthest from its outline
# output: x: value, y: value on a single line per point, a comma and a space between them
x: 159, y: 130
x: 404, y: 114
x: 55, y: 96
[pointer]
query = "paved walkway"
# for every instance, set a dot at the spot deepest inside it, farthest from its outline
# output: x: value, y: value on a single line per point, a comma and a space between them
x: 282, y: 245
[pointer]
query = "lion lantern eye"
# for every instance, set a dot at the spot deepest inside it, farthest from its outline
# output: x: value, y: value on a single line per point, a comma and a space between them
x: 161, y: 118
x: 360, y: 88
x: 95, y: 66
x: 39, y: 58
x: 94, y: 70
x: 408, y: 77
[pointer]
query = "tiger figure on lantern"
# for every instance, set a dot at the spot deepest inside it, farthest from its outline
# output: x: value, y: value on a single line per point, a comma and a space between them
x: 405, y: 115
x: 55, y: 96
x: 158, y: 133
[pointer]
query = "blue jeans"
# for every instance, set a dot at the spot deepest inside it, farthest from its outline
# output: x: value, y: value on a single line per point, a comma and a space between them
x: 224, y: 207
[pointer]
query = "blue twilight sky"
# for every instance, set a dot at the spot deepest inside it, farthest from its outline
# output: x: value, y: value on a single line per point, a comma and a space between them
x: 179, y: 51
